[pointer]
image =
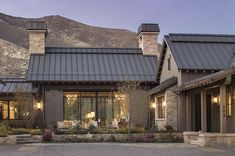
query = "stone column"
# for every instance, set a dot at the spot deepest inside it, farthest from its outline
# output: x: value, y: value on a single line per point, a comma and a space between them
x: 188, y: 112
x: 223, y: 125
x: 203, y: 111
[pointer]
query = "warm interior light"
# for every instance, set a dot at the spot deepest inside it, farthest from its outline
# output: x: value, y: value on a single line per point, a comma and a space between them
x: 164, y: 103
x: 39, y: 105
x: 215, y: 100
x: 154, y: 105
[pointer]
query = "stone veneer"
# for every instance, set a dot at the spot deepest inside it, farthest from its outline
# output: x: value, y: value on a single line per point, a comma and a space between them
x: 171, y: 107
x: 148, y: 43
x: 209, y: 139
x: 37, y: 41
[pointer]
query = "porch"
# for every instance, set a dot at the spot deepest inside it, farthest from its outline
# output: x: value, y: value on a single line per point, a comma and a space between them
x: 207, y: 109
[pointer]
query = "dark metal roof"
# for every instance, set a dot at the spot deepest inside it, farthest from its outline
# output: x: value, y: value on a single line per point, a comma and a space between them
x: 92, y: 65
x: 148, y: 27
x: 37, y: 25
x: 164, y: 85
x: 206, y: 80
x: 93, y: 50
x: 13, y: 85
x: 201, y: 51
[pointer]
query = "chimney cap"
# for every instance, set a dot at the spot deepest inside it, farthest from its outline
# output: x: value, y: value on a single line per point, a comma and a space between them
x: 37, y: 25
x: 148, y: 27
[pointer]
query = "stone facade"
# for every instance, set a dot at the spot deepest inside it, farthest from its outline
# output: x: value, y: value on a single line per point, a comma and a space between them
x: 37, y: 41
x: 148, y: 43
x: 171, y: 107
x: 139, y: 108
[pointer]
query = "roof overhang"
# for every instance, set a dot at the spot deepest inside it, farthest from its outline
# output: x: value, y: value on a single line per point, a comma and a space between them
x: 163, y: 86
x: 224, y: 75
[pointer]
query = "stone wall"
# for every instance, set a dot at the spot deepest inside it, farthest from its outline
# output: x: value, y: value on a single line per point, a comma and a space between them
x: 37, y: 41
x: 139, y: 108
x: 171, y: 100
x: 148, y: 43
x: 8, y: 140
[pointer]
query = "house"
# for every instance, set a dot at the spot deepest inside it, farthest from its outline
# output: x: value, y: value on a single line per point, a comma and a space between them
x: 195, y: 91
x: 101, y: 86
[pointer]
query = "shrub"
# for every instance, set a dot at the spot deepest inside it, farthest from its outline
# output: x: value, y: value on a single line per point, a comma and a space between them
x: 169, y: 128
x: 17, y: 131
x: 47, y: 136
x: 3, y: 134
x: 80, y: 131
x: 137, y: 130
x: 122, y: 130
x: 4, y: 127
x: 98, y: 131
x: 36, y: 132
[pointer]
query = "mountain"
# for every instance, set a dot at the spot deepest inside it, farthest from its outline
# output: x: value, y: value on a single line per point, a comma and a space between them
x: 62, y: 32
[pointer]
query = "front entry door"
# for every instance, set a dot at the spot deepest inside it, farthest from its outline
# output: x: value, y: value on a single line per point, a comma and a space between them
x: 197, y: 111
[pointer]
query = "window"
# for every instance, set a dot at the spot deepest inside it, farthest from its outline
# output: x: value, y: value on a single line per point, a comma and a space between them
x: 161, y: 107
x: 169, y: 63
x: 102, y: 107
x: 228, y: 101
x: 14, y: 110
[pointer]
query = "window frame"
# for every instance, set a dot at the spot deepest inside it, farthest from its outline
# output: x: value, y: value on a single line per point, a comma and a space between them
x: 162, y: 108
x: 169, y: 63
x: 229, y: 101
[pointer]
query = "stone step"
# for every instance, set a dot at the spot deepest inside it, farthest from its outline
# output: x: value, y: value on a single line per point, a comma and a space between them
x: 26, y: 139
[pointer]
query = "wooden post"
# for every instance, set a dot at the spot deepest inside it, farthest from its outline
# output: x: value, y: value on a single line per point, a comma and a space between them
x: 203, y: 111
x: 188, y: 112
x: 223, y: 125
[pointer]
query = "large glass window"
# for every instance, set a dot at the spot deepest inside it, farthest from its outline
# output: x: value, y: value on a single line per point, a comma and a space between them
x: 161, y: 107
x: 13, y: 110
x: 104, y: 108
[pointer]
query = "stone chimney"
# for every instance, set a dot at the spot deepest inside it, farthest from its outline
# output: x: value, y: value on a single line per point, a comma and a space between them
x: 37, y: 37
x: 148, y: 38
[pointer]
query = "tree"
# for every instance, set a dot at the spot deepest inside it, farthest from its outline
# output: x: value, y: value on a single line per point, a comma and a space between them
x: 128, y: 88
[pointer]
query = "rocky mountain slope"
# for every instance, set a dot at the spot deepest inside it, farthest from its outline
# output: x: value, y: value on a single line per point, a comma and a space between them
x: 62, y: 32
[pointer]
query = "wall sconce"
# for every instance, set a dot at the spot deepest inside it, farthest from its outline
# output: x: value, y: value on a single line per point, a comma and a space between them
x: 215, y: 99
x: 154, y: 105
x: 164, y: 103
x: 39, y: 105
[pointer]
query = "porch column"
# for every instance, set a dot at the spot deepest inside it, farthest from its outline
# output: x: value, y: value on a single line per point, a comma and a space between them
x: 203, y: 111
x: 223, y: 125
x: 188, y: 112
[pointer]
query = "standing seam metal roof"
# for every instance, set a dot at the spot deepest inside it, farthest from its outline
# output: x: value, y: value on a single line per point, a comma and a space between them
x: 92, y: 64
x: 201, y: 51
x: 13, y: 85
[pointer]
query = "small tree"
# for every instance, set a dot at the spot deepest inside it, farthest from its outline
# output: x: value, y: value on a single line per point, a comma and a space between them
x: 127, y: 88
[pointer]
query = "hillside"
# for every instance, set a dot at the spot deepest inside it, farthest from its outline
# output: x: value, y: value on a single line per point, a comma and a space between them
x: 62, y: 32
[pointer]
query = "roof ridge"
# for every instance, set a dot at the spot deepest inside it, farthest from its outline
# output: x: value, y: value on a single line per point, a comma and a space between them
x: 92, y: 48
x: 200, y: 34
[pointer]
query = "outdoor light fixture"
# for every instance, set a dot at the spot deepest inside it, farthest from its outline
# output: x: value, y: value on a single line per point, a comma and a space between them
x: 39, y: 105
x: 164, y: 103
x: 154, y: 105
x: 215, y: 99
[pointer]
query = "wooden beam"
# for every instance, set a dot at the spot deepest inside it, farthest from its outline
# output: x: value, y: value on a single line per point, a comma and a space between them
x: 203, y: 111
x: 223, y: 123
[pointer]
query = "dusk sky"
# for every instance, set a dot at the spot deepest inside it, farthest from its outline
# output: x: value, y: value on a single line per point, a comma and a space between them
x: 188, y: 16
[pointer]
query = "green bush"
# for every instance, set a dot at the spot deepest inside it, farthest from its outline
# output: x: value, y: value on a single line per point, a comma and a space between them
x: 137, y: 130
x: 4, y: 127
x: 122, y: 130
x: 98, y: 131
x: 35, y: 132
x: 17, y: 131
x: 3, y: 134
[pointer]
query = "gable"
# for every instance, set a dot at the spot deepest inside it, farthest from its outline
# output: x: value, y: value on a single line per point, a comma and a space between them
x: 201, y: 51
